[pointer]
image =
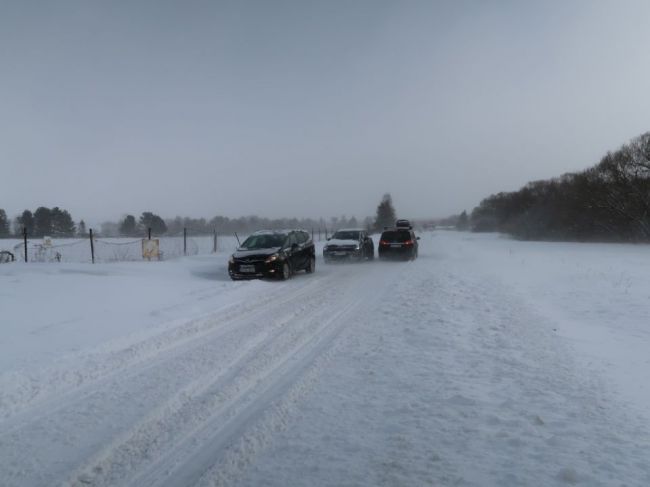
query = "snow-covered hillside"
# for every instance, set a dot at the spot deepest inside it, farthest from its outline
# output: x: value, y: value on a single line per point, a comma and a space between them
x: 486, y: 362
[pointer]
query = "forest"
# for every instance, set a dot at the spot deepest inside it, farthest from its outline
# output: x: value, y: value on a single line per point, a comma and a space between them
x: 607, y: 202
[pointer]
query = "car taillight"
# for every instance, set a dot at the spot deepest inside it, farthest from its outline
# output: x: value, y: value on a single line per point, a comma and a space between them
x: 383, y: 242
x: 408, y: 242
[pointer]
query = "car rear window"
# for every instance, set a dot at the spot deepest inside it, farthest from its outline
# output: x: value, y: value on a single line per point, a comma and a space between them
x: 396, y: 236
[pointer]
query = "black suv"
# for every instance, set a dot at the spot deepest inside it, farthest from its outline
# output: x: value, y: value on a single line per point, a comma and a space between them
x: 403, y: 224
x: 399, y: 243
x: 271, y: 253
x: 349, y: 244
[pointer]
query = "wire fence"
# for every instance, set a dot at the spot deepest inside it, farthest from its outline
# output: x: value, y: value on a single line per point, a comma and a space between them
x: 113, y: 249
x: 123, y: 249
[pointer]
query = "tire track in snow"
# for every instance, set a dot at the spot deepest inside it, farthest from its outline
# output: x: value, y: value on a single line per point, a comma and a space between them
x: 192, y: 405
x: 51, y: 390
x: 110, y: 428
x: 84, y: 419
x: 189, y: 461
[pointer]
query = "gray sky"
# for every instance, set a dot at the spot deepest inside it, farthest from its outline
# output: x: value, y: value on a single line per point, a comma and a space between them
x: 305, y: 108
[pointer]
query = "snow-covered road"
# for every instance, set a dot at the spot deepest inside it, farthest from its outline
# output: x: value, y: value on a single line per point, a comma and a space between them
x: 451, y: 370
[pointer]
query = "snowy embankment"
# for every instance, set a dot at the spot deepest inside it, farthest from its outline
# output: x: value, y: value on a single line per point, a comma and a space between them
x: 485, y: 362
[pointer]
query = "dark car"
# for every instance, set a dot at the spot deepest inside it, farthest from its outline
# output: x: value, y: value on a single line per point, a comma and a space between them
x: 349, y: 244
x: 270, y: 253
x: 403, y: 224
x: 398, y: 243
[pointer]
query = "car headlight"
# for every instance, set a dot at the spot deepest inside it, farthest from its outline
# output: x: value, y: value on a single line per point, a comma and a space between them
x: 272, y: 258
x: 358, y: 247
x: 325, y: 248
x: 231, y: 260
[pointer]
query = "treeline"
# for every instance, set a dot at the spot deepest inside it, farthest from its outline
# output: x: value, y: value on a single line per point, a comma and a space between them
x: 54, y: 222
x: 4, y: 224
x: 132, y: 226
x: 249, y: 224
x: 608, y: 202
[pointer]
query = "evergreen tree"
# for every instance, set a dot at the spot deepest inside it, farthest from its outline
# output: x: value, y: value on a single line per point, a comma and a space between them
x: 82, y: 232
x: 129, y: 227
x: 153, y: 221
x: 463, y: 221
x: 385, y: 213
x: 68, y: 228
x: 62, y: 223
x: 4, y: 224
x: 26, y: 221
x: 55, y: 215
x: 42, y: 222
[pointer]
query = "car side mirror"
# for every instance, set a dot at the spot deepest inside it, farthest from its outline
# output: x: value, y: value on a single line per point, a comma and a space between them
x: 330, y: 238
x: 417, y: 238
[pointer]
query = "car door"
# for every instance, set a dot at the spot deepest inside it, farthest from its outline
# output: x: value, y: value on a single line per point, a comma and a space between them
x: 293, y: 251
x: 310, y: 248
x: 303, y: 239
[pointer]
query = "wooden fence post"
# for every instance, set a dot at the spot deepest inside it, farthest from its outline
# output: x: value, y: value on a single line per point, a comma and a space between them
x: 25, y: 241
x: 92, y: 246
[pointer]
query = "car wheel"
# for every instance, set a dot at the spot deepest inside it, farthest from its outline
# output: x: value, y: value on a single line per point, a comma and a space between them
x: 286, y: 271
x: 311, y: 267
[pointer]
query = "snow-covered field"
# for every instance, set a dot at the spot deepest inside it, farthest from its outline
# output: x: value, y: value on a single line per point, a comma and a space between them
x: 486, y: 362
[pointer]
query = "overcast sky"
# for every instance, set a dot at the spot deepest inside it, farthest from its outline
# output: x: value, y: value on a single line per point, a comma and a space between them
x: 199, y: 108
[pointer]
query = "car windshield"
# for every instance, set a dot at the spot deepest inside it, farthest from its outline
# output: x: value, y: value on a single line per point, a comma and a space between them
x: 264, y: 241
x: 396, y: 236
x: 346, y: 235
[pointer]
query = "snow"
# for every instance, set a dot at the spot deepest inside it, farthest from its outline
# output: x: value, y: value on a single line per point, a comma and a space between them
x: 596, y: 295
x: 485, y: 362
